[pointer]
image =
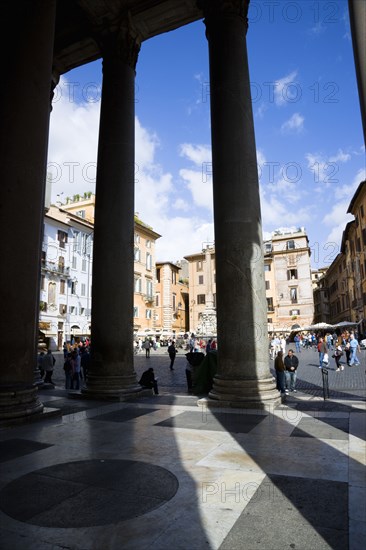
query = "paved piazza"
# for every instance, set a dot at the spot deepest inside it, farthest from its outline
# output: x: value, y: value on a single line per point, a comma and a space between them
x: 163, y: 472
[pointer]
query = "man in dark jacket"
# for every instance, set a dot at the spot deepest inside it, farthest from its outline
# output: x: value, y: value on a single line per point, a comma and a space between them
x: 148, y: 380
x: 291, y: 364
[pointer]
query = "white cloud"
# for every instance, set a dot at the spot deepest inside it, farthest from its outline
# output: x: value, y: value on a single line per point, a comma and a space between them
x: 326, y: 169
x: 198, y: 154
x: 347, y: 190
x: 340, y: 157
x: 199, y: 186
x: 294, y: 124
x: 286, y: 89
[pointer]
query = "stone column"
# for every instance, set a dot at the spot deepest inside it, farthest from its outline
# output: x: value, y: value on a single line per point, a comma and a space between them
x: 357, y: 15
x: 243, y: 377
x: 24, y: 115
x: 112, y: 372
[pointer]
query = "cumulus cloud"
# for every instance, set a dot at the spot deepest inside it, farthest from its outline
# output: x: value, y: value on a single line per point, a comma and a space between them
x: 294, y: 124
x: 325, y: 169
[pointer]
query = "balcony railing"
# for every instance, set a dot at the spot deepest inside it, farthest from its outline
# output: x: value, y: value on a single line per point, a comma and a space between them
x: 56, y: 268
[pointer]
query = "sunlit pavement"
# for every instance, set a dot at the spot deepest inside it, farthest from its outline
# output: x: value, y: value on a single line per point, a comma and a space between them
x: 160, y: 472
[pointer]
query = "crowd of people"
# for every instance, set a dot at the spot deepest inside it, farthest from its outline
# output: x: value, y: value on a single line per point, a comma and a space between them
x: 286, y: 366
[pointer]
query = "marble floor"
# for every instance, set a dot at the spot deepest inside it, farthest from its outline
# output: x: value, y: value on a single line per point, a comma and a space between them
x: 162, y: 473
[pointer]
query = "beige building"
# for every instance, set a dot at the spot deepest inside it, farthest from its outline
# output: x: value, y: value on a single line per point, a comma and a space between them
x: 202, y: 291
x: 145, y: 237
x: 321, y: 295
x: 287, y: 278
x: 171, y: 300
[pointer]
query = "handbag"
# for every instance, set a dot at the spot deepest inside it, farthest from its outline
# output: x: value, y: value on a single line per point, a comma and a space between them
x: 326, y: 358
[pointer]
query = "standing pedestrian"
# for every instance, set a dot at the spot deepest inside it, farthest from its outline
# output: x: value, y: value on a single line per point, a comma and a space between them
x: 322, y: 349
x: 68, y: 372
x: 291, y: 363
x: 40, y: 363
x: 48, y: 364
x: 297, y: 343
x: 280, y: 373
x: 76, y: 369
x: 354, y: 348
x: 172, y: 353
x: 337, y: 356
x: 147, y: 345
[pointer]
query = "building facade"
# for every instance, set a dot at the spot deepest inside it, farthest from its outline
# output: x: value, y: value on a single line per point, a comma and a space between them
x: 66, y: 274
x: 171, y: 300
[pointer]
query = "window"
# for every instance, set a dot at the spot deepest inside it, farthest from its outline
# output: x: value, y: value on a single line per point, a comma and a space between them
x: 149, y: 288
x: 268, y: 286
x: 157, y: 300
x: 61, y: 264
x: 83, y: 264
x: 73, y: 287
x: 62, y: 238
x: 43, y: 258
x: 174, y: 301
x: 293, y: 295
x: 62, y: 286
x: 138, y: 284
x: 74, y: 262
x: 51, y: 293
x: 82, y: 310
x: 148, y: 314
x: 158, y: 275
x: 72, y: 309
x: 42, y: 306
x: 135, y: 311
x: 361, y: 211
x: 174, y: 277
x: 137, y: 238
x: 199, y: 265
x: 267, y: 248
x: 270, y: 304
x: 290, y: 245
x: 81, y: 214
x: 42, y: 282
x: 294, y: 312
x: 148, y: 243
x: 267, y: 267
x: 269, y: 320
x: 201, y: 299
x: 137, y: 254
x: 148, y: 261
x: 214, y: 300
x: 291, y: 274
x: 62, y: 309
x: 83, y: 289
x: 200, y: 279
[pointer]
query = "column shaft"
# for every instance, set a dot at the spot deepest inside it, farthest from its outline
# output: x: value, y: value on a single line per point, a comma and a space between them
x: 357, y: 15
x: 25, y: 111
x: 112, y: 372
x: 243, y: 370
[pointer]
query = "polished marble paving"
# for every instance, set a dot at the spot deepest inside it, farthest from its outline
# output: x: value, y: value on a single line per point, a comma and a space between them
x: 161, y: 474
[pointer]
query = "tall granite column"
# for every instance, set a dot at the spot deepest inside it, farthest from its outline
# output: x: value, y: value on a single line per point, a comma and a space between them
x: 243, y: 377
x: 24, y: 115
x: 357, y: 15
x: 111, y: 373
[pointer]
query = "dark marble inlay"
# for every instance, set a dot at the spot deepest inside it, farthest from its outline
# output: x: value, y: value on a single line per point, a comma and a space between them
x: 88, y: 493
x: 322, y: 428
x: 14, y: 448
x: 122, y: 415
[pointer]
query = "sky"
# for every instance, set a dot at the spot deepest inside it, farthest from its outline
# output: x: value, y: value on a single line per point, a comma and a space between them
x: 310, y: 148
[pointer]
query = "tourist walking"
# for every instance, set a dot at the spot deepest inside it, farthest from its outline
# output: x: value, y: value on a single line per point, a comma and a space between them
x: 337, y: 356
x: 322, y: 349
x: 291, y: 363
x: 172, y: 353
x: 297, y: 343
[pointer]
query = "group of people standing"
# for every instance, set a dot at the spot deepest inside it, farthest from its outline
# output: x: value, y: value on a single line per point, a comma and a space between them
x: 76, y: 365
x: 286, y: 371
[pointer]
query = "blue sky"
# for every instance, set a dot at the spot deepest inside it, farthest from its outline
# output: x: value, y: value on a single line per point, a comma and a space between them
x: 309, y: 140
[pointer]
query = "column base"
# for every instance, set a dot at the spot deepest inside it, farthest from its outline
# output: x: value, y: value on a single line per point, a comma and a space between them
x: 250, y: 394
x: 19, y: 400
x: 116, y: 388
